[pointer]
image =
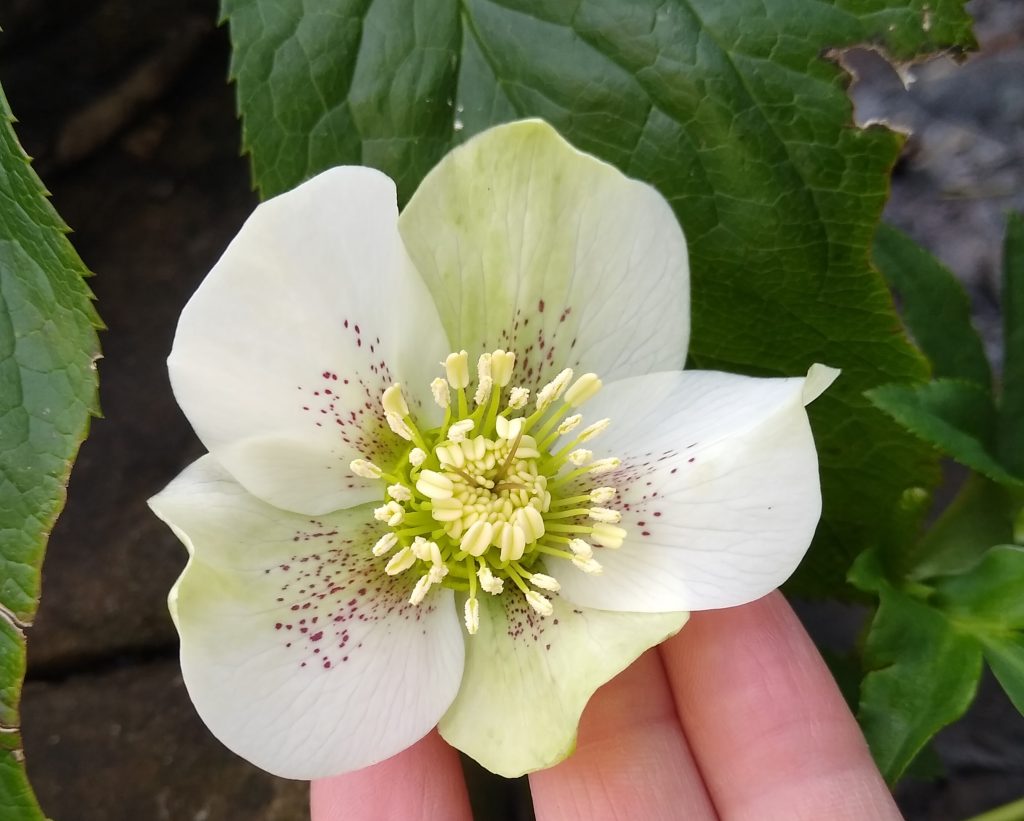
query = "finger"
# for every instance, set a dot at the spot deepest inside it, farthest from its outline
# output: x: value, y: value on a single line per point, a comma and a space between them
x: 767, y: 724
x: 422, y: 782
x: 631, y: 759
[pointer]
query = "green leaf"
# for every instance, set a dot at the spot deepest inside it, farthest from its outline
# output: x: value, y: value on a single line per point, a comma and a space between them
x: 729, y: 109
x: 955, y: 417
x: 923, y: 674
x: 980, y: 516
x: 934, y: 306
x: 1011, y: 407
x: 1005, y: 655
x: 926, y: 765
x: 990, y: 596
x: 923, y: 657
x: 986, y: 602
x: 363, y: 82
x: 48, y: 347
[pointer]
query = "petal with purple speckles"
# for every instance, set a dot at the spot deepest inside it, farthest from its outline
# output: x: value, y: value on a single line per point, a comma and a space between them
x: 530, y: 245
x: 528, y: 678
x: 282, y: 354
x: 718, y: 488
x: 299, y: 653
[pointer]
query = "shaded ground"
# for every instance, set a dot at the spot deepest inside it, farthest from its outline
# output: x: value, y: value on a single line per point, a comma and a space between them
x: 150, y: 178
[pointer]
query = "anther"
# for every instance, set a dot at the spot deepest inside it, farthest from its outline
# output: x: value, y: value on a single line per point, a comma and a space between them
x: 472, y: 613
x: 569, y: 424
x: 593, y: 430
x: 608, y: 535
x: 584, y: 388
x: 545, y: 582
x: 591, y: 566
x: 502, y: 363
x: 518, y: 397
x: 439, y: 390
x: 398, y: 425
x: 420, y: 548
x: 551, y: 391
x: 602, y: 495
x: 509, y: 428
x: 459, y: 431
x: 581, y: 456
x: 483, y: 391
x: 489, y: 582
x: 604, y: 514
x: 434, y: 485
x: 392, y: 513
x: 527, y: 448
x: 394, y: 402
x: 446, y: 510
x: 605, y: 465
x: 400, y: 562
x: 539, y: 603
x: 419, y: 592
x: 483, y: 368
x: 531, y: 522
x: 512, y: 543
x: 456, y: 366
x: 417, y: 456
x: 400, y: 493
x: 365, y: 469
x: 580, y: 549
x: 384, y: 544
x: 477, y: 539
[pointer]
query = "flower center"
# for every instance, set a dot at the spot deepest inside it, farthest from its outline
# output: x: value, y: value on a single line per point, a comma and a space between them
x: 481, y: 502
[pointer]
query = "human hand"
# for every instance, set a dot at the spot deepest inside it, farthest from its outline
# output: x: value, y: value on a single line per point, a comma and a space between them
x: 737, y: 717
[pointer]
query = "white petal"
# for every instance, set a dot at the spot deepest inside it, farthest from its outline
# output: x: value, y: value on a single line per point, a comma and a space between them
x: 282, y: 354
x: 298, y: 652
x: 530, y: 245
x: 719, y: 491
x: 528, y: 677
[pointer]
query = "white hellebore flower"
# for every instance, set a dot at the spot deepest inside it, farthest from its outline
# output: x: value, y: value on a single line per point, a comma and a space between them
x: 375, y: 550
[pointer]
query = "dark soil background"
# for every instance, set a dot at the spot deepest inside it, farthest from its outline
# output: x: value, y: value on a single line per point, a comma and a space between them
x: 126, y: 109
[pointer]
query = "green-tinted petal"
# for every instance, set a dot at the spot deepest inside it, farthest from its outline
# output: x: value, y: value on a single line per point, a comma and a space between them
x: 298, y: 652
x: 528, y: 678
x: 530, y: 245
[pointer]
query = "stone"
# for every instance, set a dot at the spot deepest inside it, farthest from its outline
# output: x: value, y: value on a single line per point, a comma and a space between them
x: 127, y: 743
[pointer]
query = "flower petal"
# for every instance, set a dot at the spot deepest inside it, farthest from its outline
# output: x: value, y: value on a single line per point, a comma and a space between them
x: 282, y: 354
x: 298, y: 652
x: 719, y: 489
x: 530, y: 245
x: 528, y: 678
